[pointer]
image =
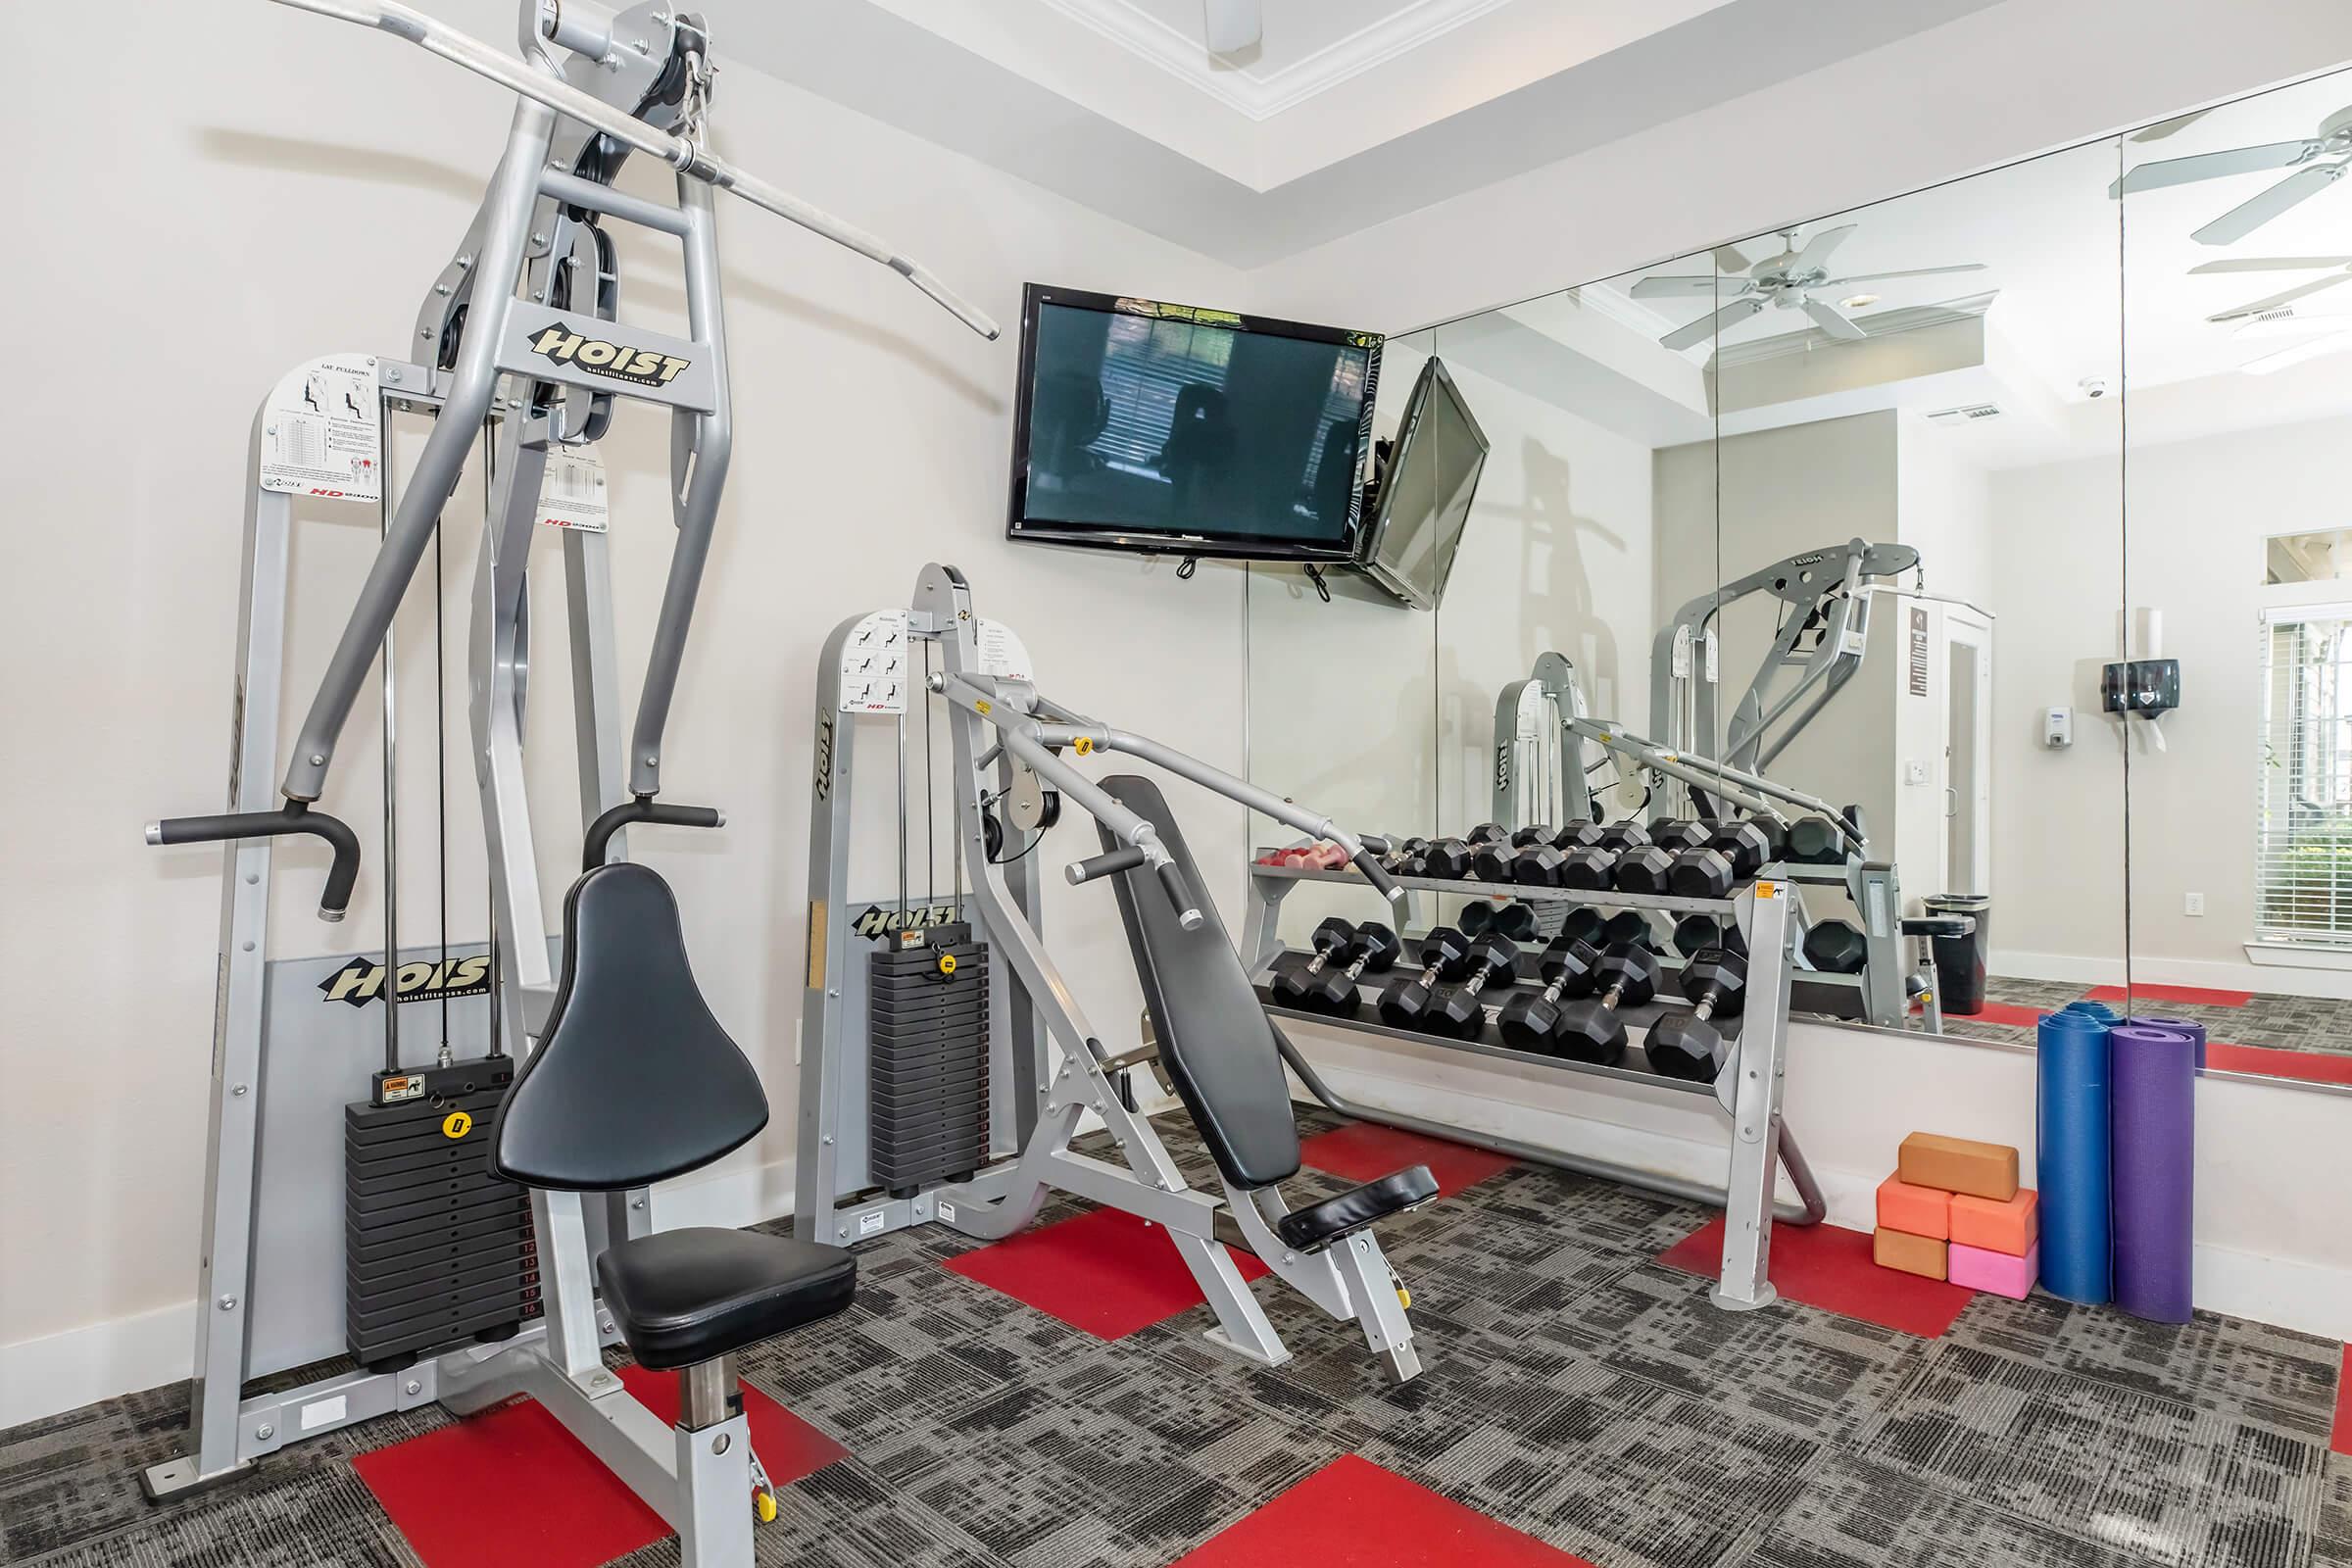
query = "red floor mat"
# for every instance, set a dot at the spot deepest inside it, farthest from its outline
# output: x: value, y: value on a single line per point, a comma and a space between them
x: 1353, y: 1514
x: 2310, y: 1066
x: 1364, y: 1152
x: 1105, y: 1271
x: 510, y: 1485
x: 2197, y: 996
x: 1829, y: 1267
x: 2343, y: 1405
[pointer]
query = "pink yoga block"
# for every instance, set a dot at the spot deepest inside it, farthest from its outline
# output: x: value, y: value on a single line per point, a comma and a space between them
x: 1982, y: 1269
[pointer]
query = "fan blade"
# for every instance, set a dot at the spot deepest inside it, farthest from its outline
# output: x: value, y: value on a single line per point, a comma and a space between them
x: 2166, y: 127
x: 1817, y: 249
x: 1706, y: 326
x: 2295, y: 324
x: 1834, y: 321
x: 1650, y: 288
x: 1915, y: 271
x: 2272, y: 264
x: 2247, y: 216
x: 2334, y: 343
x: 1730, y: 259
x: 2212, y: 165
x: 2285, y: 297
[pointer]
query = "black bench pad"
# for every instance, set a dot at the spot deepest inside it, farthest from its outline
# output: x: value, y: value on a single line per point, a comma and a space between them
x: 1318, y: 1225
x: 687, y: 1296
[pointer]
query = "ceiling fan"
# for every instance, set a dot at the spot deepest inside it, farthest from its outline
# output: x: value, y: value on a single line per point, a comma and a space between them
x: 2318, y: 162
x: 2338, y: 268
x: 1785, y: 281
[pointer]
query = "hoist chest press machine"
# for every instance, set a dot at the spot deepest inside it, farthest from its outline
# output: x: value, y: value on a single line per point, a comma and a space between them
x: 906, y: 1119
x: 620, y: 1076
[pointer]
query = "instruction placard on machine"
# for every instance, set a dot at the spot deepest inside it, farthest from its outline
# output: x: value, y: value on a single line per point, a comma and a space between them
x: 873, y: 662
x: 321, y: 434
x: 574, y: 494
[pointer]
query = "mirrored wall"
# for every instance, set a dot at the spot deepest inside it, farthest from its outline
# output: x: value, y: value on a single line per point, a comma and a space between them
x: 1991, y: 532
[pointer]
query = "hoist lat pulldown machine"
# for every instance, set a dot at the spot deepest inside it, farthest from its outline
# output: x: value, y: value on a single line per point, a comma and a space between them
x: 517, y: 339
x: 1211, y: 1040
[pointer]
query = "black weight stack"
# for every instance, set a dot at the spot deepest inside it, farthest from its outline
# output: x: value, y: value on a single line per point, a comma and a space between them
x: 927, y: 1058
x: 436, y: 1248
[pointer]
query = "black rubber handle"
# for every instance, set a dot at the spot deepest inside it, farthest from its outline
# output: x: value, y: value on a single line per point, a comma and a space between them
x: 1081, y: 872
x: 643, y: 809
x: 295, y: 816
x: 1180, y: 893
x: 1377, y: 874
x: 1377, y: 844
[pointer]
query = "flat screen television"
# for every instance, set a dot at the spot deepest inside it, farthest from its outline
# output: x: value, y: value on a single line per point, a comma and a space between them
x: 1423, y: 496
x: 1172, y: 429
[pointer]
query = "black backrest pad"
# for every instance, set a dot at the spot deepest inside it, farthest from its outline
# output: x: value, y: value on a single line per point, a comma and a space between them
x: 1215, y: 1039
x: 633, y: 1080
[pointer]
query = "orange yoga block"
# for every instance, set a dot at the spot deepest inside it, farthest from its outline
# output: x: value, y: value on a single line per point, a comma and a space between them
x: 1959, y: 1165
x: 2012, y: 1227
x: 1913, y: 1254
x: 1920, y: 1211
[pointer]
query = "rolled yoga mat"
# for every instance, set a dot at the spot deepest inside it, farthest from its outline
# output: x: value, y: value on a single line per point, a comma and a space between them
x: 2072, y: 1132
x: 2154, y: 1121
x: 2095, y: 1009
x: 2179, y: 1026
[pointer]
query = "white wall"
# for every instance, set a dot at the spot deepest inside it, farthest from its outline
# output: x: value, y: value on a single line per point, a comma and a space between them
x: 313, y: 179
x: 2197, y: 515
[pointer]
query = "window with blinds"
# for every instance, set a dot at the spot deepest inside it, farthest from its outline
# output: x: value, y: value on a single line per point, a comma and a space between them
x: 2303, y: 823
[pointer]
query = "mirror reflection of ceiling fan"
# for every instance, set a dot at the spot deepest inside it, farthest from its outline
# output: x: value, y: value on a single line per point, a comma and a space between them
x: 1786, y: 281
x: 2318, y: 162
x: 2276, y: 315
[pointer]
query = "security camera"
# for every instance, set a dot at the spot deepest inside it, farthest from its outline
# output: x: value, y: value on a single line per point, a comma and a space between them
x: 2093, y: 386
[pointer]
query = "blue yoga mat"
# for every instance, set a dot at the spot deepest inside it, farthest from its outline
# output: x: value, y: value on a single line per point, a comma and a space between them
x: 2095, y: 1009
x: 2071, y: 1127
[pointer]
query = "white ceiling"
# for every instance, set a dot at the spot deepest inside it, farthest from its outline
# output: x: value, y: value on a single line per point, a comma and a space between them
x: 1350, y: 112
x: 2076, y: 286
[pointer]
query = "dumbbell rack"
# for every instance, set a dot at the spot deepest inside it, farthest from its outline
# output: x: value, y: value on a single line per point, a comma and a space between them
x: 1748, y: 1089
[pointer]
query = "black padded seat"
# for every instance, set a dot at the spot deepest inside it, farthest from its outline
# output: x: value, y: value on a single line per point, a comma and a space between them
x: 687, y: 1296
x: 633, y: 1080
x: 1215, y: 1039
x: 1318, y: 1225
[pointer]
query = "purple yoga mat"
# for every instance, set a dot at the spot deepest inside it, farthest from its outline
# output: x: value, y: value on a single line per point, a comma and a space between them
x: 2154, y: 1122
x: 2177, y: 1026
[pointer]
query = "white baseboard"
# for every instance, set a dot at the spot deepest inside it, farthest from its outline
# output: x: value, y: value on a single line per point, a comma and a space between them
x: 100, y: 1361
x: 2275, y: 1290
x: 66, y: 1371
x: 2064, y: 966
x: 2290, y: 976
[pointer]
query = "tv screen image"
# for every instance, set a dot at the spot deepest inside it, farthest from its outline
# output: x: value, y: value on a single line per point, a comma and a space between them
x: 1143, y: 425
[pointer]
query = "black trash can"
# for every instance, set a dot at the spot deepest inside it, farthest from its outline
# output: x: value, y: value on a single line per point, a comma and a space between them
x: 1960, y: 960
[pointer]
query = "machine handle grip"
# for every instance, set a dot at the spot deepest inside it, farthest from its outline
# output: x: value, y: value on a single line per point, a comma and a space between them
x: 1376, y: 843
x: 1180, y: 894
x: 1378, y: 875
x: 295, y: 816
x: 1081, y: 872
x: 643, y: 809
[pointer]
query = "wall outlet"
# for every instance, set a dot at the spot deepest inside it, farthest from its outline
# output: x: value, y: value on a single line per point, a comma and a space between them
x: 2193, y: 904
x: 1915, y: 772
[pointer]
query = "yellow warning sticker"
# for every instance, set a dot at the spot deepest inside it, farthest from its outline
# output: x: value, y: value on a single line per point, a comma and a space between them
x: 456, y: 1124
x: 1768, y: 890
x: 980, y: 705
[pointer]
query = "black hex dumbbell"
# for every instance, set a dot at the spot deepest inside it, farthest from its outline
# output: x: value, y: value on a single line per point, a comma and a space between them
x: 1622, y: 836
x: 1837, y: 946
x: 1594, y: 1030
x: 1459, y: 1012
x: 1447, y: 860
x: 1489, y: 833
x: 1816, y: 841
x: 1409, y: 858
x: 1776, y: 837
x: 1538, y: 865
x: 1689, y: 1046
x: 1331, y: 940
x: 1644, y: 870
x: 1405, y: 1001
x: 1580, y: 833
x: 1584, y: 924
x: 1735, y: 852
x: 1674, y: 835
x: 1375, y: 950
x: 1490, y: 859
x: 1514, y: 920
x: 1626, y: 925
x: 1534, y: 833
x: 1529, y: 1020
x: 1693, y: 933
x: 1592, y: 867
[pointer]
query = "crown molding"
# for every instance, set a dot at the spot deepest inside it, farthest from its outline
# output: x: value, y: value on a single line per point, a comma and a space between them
x: 1262, y: 97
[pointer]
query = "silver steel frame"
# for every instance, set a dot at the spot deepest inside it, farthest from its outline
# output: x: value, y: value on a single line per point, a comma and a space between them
x: 546, y: 375
x: 1350, y: 1280
x: 1748, y: 1089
